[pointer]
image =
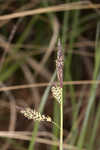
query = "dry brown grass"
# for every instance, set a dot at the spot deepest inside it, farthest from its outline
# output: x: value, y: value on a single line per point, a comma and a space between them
x: 58, y: 8
x: 17, y: 87
x: 25, y: 136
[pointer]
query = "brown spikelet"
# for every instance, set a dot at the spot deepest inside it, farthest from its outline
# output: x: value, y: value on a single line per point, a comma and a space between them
x: 57, y: 93
x: 59, y: 64
x: 34, y: 115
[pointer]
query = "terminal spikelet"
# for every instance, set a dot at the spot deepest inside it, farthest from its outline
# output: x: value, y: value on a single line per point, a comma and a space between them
x: 34, y: 115
x: 60, y: 64
x: 57, y: 93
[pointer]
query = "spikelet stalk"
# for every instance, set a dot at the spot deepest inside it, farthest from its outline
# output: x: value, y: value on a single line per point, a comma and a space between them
x: 57, y: 90
x: 59, y: 68
x: 61, y: 86
x: 61, y: 123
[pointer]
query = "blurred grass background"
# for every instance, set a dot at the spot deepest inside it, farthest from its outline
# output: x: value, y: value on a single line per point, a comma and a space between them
x: 27, y: 56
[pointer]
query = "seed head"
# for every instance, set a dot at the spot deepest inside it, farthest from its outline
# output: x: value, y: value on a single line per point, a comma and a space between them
x: 34, y: 115
x: 57, y: 93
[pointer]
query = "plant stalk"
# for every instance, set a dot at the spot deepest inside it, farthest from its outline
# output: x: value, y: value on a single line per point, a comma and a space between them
x: 61, y: 122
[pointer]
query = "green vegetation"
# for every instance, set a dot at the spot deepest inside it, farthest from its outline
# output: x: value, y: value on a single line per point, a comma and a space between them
x: 28, y: 49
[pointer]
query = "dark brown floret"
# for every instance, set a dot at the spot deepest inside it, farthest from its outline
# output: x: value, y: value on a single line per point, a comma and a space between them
x: 59, y: 64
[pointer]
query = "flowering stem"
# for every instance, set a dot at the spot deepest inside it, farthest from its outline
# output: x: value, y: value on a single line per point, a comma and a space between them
x: 61, y: 122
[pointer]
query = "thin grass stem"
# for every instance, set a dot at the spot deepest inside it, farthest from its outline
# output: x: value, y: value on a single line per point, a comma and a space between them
x: 61, y: 123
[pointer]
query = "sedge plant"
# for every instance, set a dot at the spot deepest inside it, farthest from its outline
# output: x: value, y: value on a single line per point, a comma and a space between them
x: 57, y: 92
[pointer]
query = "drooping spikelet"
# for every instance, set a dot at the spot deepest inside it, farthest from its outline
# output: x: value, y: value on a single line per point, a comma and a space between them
x: 60, y: 64
x: 57, y: 93
x: 34, y: 115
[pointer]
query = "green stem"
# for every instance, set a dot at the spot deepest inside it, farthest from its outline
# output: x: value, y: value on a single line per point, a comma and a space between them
x: 61, y: 123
